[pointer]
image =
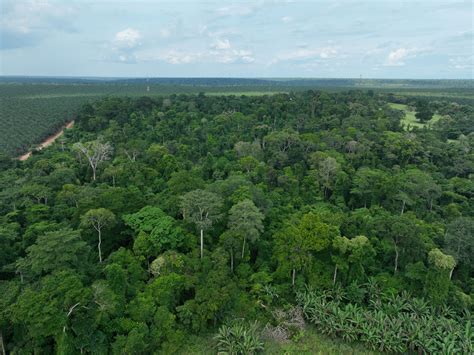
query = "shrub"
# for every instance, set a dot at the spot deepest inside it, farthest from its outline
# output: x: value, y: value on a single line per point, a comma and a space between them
x: 239, y: 337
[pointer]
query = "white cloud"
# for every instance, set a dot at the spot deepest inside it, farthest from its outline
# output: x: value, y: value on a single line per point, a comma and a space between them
x: 235, y: 10
x: 123, y: 46
x: 127, y: 39
x: 286, y: 19
x: 328, y: 52
x: 223, y: 56
x: 305, y: 54
x: 174, y: 56
x: 396, y: 57
x: 221, y: 44
x: 232, y: 56
x: 461, y: 63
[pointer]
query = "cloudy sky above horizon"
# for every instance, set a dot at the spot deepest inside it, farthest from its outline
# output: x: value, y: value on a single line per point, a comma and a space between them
x: 273, y: 38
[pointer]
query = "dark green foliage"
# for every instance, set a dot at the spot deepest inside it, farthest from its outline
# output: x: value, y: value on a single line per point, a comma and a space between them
x: 213, y: 208
x: 424, y: 112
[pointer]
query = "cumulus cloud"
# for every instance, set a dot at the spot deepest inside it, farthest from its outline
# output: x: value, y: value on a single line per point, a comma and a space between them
x: 220, y: 51
x: 398, y: 56
x: 25, y: 23
x: 174, y: 56
x: 123, y: 46
x: 232, y: 56
x: 221, y: 44
x: 303, y: 54
x: 223, y: 52
x: 127, y: 39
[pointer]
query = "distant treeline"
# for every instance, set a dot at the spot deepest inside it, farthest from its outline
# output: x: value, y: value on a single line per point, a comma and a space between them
x: 278, y: 82
x: 33, y: 108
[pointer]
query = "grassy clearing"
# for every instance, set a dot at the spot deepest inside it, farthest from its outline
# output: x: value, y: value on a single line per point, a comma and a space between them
x: 245, y: 93
x: 410, y: 121
x: 454, y: 95
x: 310, y: 342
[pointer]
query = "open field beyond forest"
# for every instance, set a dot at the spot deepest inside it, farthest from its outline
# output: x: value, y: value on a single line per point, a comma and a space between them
x: 410, y: 121
x: 33, y: 109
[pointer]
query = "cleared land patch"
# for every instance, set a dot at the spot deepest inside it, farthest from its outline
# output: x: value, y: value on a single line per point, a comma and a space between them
x: 410, y: 121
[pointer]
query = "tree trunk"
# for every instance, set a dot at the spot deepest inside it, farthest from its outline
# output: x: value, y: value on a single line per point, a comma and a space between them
x: 231, y: 260
x: 451, y: 273
x: 98, y: 246
x: 396, y: 259
x: 403, y: 207
x: 335, y: 275
x: 2, y: 344
x: 93, y: 173
x: 202, y: 242
x: 293, y: 276
x: 243, y: 248
x: 113, y: 180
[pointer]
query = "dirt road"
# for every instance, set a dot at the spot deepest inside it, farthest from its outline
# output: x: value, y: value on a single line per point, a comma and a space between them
x: 48, y: 141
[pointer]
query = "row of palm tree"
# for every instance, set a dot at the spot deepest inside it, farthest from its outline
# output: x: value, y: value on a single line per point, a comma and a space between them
x: 396, y: 323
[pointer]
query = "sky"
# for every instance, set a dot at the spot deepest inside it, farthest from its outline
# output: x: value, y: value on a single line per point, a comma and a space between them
x: 427, y: 39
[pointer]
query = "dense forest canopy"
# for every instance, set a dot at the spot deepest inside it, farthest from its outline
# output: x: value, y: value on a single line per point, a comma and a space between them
x: 159, y: 220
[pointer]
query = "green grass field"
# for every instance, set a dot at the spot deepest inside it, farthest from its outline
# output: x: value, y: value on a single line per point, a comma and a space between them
x: 310, y: 342
x: 410, y: 121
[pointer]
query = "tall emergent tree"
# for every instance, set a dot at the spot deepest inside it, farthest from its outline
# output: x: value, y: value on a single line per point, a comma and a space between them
x: 460, y: 240
x: 202, y: 208
x: 99, y: 219
x: 245, y: 220
x: 296, y: 244
x: 95, y: 152
x: 437, y: 279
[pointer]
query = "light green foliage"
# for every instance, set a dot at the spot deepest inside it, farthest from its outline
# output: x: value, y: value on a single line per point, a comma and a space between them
x: 239, y: 338
x: 99, y: 219
x: 441, y: 261
x: 245, y: 220
x: 410, y: 120
x: 356, y: 252
x: 437, y: 281
x: 201, y: 207
x: 156, y: 231
x: 296, y: 244
x: 413, y: 324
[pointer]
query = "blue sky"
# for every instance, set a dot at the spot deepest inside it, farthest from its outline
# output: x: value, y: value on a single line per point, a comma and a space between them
x: 375, y: 39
